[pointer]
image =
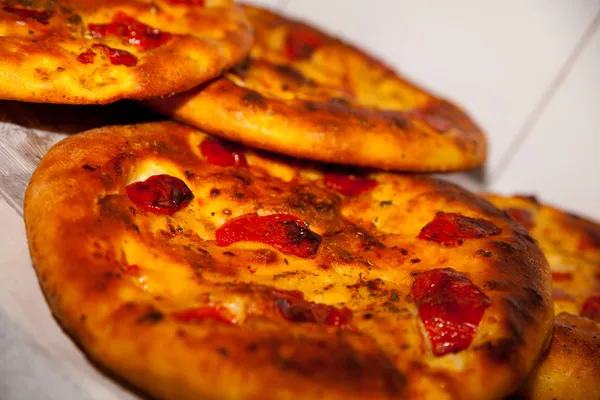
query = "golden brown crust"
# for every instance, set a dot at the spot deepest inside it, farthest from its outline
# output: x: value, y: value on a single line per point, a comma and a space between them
x: 571, y: 245
x: 571, y: 367
x: 337, y: 105
x: 85, y: 235
x: 45, y: 42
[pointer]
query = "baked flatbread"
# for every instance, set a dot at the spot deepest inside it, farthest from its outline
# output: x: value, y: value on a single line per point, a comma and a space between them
x: 100, y: 51
x: 571, y: 367
x: 306, y: 94
x: 196, y: 268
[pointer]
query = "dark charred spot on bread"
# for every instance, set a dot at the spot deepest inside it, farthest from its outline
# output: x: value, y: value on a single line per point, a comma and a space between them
x: 252, y: 347
x: 484, y: 253
x: 253, y: 98
x: 26, y: 13
x: 354, y: 239
x: 111, y: 207
x: 88, y: 167
x: 338, y: 103
x: 151, y: 317
x: 314, y: 203
x: 502, y: 350
x: 394, y: 296
x: 333, y: 362
x: 397, y: 119
x: 367, y: 240
x: 374, y: 286
x: 242, y: 176
x: 292, y: 74
x: 518, y: 311
x: 310, y: 106
x: 285, y: 275
x: 223, y: 351
x: 242, y: 68
x: 534, y: 296
x: 265, y: 257
x: 215, y: 192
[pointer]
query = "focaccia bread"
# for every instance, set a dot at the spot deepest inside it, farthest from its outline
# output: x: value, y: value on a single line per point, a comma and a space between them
x: 195, y: 268
x: 100, y: 51
x: 306, y: 94
x: 571, y: 367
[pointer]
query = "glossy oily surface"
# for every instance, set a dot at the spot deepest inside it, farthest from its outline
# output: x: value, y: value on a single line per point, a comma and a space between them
x: 265, y: 270
x: 309, y: 95
x: 572, y: 245
x: 97, y: 52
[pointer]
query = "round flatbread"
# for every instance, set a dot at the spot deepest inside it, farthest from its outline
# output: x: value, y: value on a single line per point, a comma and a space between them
x: 309, y: 95
x: 571, y: 367
x: 195, y: 268
x: 100, y: 51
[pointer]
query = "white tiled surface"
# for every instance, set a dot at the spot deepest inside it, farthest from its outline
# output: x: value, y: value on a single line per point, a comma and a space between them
x: 504, y: 62
x: 561, y: 157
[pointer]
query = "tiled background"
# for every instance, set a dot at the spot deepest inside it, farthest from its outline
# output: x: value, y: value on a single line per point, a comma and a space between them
x: 527, y: 71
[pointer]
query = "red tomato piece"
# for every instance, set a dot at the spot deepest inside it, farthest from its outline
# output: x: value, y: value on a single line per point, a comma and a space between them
x: 220, y: 314
x: 301, y: 43
x: 348, y: 185
x: 117, y: 56
x: 222, y: 153
x: 87, y: 57
x: 160, y: 194
x: 562, y: 276
x: 132, y: 31
x: 451, y: 229
x: 522, y: 216
x: 40, y: 16
x: 282, y: 231
x: 296, y: 309
x: 451, y: 308
x: 287, y: 294
x: 591, y: 308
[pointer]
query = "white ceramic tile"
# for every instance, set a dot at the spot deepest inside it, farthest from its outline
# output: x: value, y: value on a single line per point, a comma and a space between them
x: 560, y: 159
x: 273, y: 4
x: 494, y: 58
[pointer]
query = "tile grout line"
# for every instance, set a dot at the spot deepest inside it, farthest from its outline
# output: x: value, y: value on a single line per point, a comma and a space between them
x: 547, y: 96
